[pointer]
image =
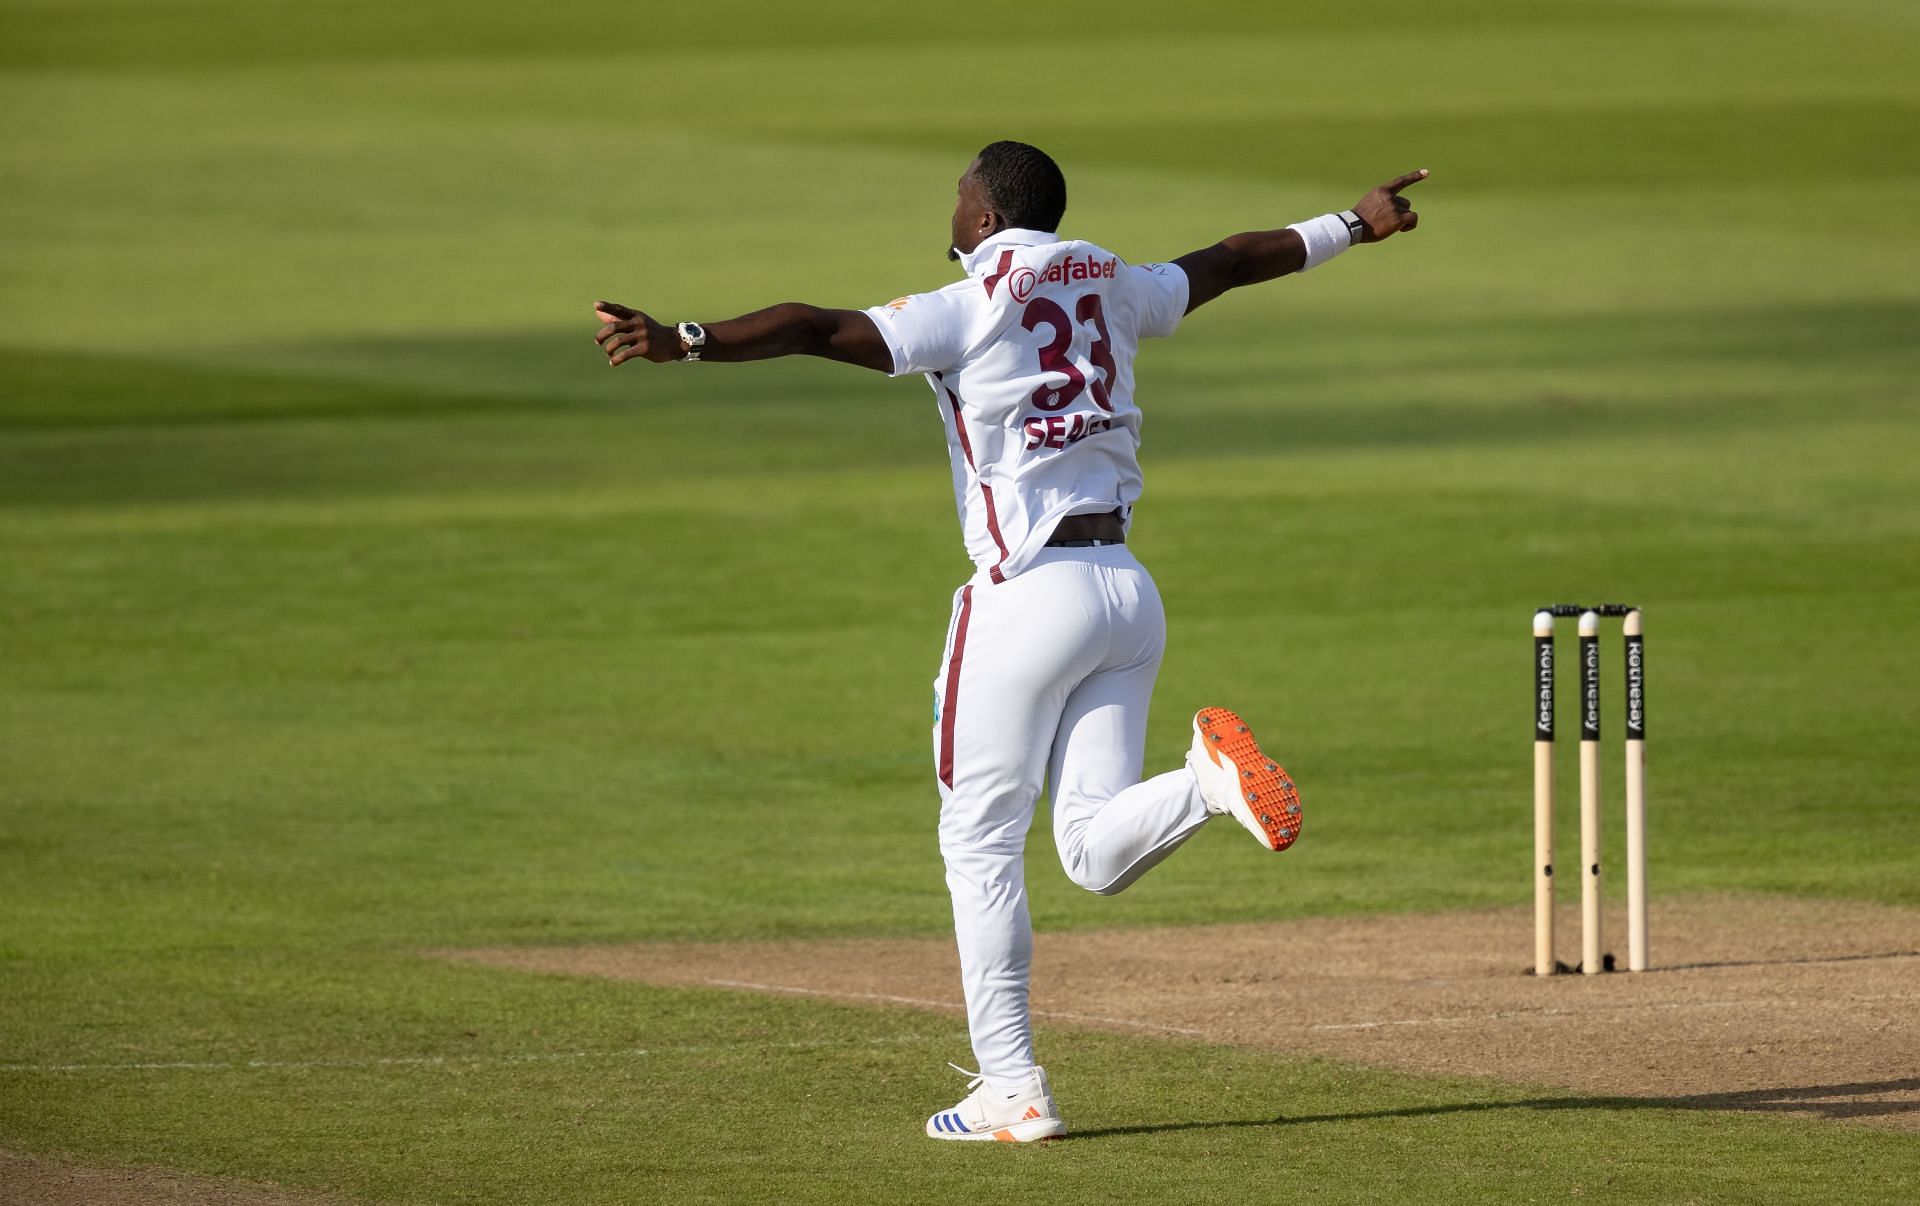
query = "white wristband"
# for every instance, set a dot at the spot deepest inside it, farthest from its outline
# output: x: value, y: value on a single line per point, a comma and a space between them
x: 1325, y: 236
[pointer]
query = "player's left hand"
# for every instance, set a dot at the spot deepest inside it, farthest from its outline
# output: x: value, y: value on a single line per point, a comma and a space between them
x: 630, y: 334
x: 1385, y: 211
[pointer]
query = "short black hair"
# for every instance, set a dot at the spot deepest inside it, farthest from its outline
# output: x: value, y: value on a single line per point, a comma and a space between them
x: 1023, y: 185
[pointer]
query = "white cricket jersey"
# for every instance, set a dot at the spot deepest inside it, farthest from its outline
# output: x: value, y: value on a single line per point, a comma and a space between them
x: 1031, y: 358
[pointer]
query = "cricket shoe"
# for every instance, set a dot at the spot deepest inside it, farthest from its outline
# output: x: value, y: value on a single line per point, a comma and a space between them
x: 1237, y: 780
x: 984, y: 1114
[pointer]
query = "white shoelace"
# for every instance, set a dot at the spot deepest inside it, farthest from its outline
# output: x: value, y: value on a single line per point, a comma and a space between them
x: 978, y: 1080
x: 973, y: 1084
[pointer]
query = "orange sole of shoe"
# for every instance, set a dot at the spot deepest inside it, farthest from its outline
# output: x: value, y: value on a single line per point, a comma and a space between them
x: 1265, y: 787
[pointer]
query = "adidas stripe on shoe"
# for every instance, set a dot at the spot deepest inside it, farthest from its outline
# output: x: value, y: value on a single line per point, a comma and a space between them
x: 984, y: 1115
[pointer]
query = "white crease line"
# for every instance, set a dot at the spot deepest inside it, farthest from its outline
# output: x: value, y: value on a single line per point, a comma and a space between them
x: 924, y: 1003
x: 464, y: 1061
x: 1465, y: 1019
x: 820, y: 992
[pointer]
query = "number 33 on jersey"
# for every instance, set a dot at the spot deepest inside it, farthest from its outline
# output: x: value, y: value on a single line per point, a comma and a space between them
x: 1031, y: 358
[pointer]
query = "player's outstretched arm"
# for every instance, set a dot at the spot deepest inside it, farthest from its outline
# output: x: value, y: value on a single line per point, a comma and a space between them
x: 1262, y: 255
x: 788, y: 329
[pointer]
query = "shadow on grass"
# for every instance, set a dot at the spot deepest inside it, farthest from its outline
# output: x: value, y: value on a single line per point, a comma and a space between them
x: 1795, y: 1099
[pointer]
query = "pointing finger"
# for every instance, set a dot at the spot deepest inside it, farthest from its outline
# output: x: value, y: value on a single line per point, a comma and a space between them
x: 613, y: 311
x: 1400, y: 182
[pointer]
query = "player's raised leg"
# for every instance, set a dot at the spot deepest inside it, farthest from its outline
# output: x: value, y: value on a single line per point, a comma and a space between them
x: 1109, y: 827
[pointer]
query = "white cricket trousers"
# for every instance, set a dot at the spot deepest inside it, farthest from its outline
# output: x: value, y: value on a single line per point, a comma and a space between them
x: 1046, y: 675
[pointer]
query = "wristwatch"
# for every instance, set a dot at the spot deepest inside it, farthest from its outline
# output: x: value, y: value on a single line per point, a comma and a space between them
x: 1356, y: 227
x: 693, y: 337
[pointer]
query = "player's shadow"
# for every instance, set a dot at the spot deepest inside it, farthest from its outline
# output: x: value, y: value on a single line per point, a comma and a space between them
x: 1847, y: 1101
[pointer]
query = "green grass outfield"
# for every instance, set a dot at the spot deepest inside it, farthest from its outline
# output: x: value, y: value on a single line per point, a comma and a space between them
x: 351, y: 608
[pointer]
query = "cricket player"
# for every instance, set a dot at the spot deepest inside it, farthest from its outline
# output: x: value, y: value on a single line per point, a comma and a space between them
x: 1053, y: 646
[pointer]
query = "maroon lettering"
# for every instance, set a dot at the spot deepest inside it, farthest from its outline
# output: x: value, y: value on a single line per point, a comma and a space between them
x: 1063, y: 431
x: 1053, y: 355
x: 1087, y: 309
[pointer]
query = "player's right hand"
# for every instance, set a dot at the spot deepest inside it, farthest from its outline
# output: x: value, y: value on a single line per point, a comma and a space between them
x: 1385, y: 211
x: 629, y: 334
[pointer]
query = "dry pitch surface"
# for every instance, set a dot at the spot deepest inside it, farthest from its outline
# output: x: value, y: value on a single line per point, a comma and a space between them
x: 1808, y: 1008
